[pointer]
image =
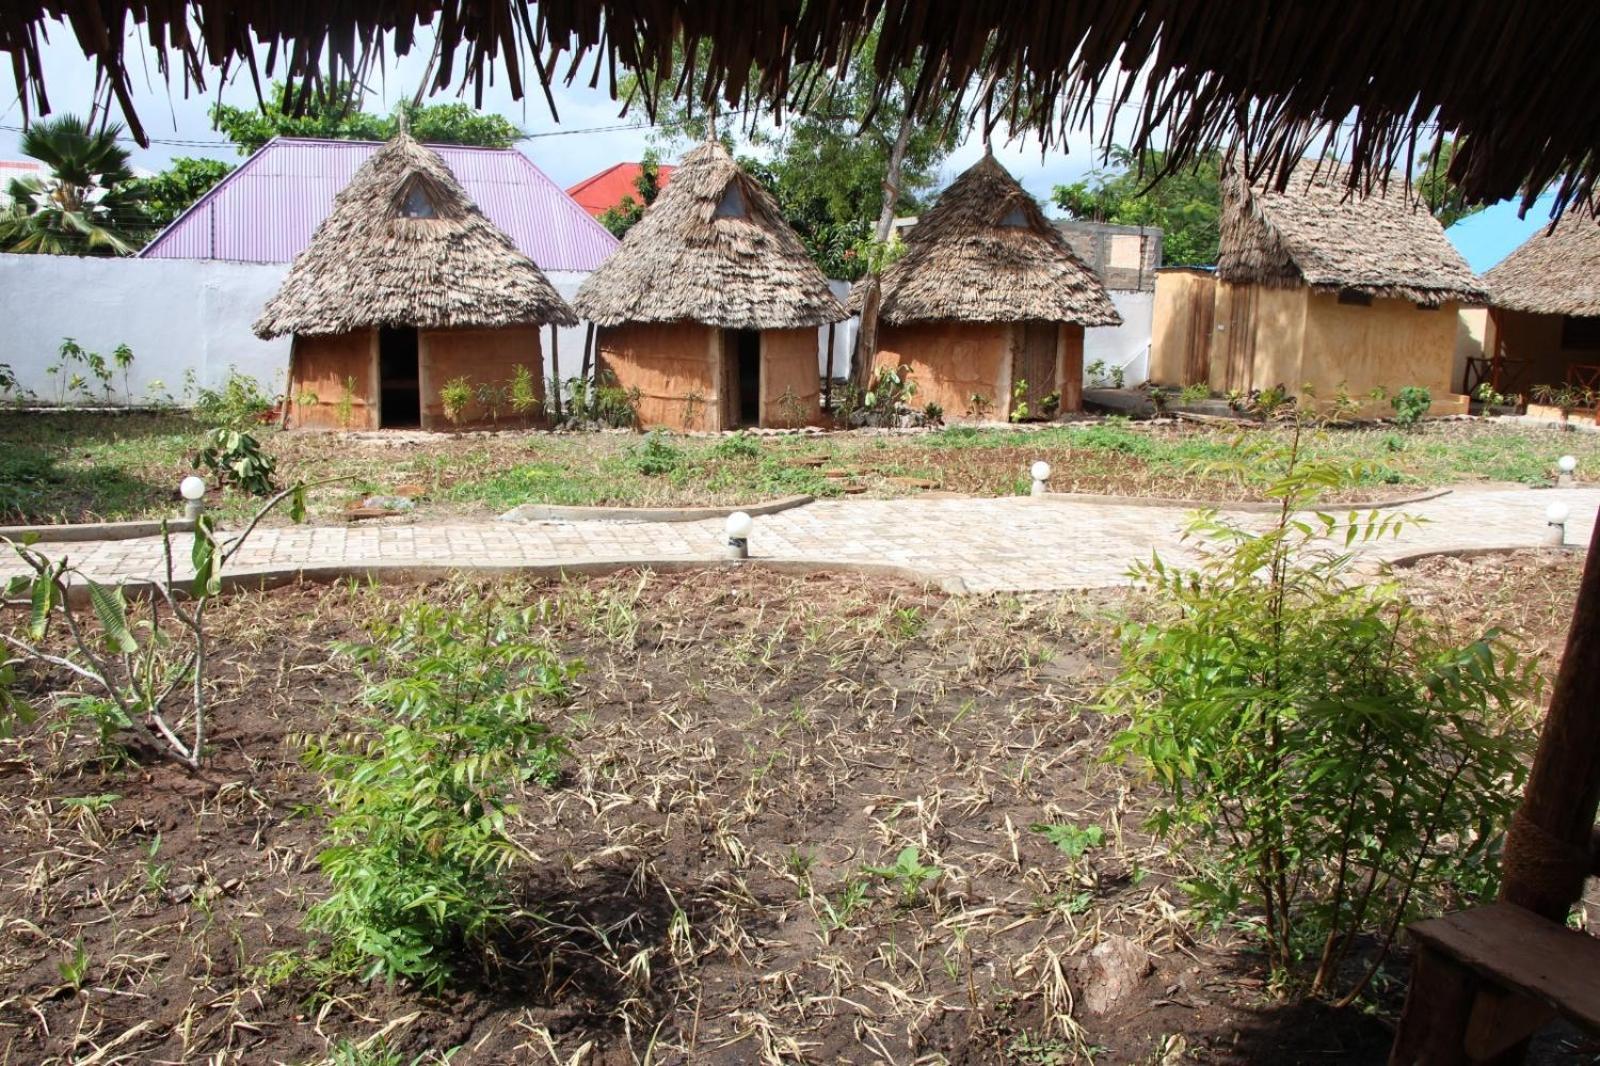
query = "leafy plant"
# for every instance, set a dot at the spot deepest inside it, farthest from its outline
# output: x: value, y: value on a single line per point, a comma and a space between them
x: 655, y: 456
x: 1566, y: 397
x: 417, y: 849
x: 888, y: 395
x: 10, y: 387
x: 238, y: 402
x: 1160, y: 399
x: 345, y: 408
x: 74, y: 970
x: 232, y: 455
x: 791, y: 411
x: 523, y: 396
x: 1072, y: 840
x: 1199, y: 392
x: 136, y: 665
x: 1348, y: 764
x: 908, y: 874
x: 492, y: 397
x: 933, y: 414
x: 1019, y: 400
x: 604, y: 402
x: 739, y: 445
x: 455, y: 396
x: 1410, y: 404
x: 979, y: 406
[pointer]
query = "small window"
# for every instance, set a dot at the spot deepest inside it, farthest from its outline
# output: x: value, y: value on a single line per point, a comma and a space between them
x: 417, y: 204
x: 1581, y: 332
x: 732, y: 204
x: 1355, y: 297
x: 1015, y: 219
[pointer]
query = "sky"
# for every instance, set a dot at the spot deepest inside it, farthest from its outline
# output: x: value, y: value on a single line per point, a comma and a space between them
x: 582, y: 142
x: 1495, y: 232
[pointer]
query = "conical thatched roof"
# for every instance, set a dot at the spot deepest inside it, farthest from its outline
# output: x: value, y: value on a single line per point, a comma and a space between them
x: 1318, y: 233
x: 985, y: 253
x: 713, y: 248
x: 374, y: 263
x: 1554, y: 272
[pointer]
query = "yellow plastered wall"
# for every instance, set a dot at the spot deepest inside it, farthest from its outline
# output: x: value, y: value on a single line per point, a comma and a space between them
x: 674, y: 367
x: 1390, y: 343
x: 1181, y: 327
x: 323, y: 367
x: 482, y: 356
x: 1281, y: 320
x: 1472, y: 324
x: 789, y: 369
x: 952, y: 361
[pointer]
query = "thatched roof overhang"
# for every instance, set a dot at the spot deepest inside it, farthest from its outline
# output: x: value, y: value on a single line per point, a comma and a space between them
x: 1271, y: 78
x: 1554, y: 272
x: 713, y: 248
x: 1318, y: 232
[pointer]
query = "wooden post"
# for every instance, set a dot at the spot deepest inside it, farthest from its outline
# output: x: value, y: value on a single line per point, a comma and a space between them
x: 555, y: 366
x: 588, y: 352
x: 1548, y: 849
x: 288, y: 385
x: 827, y: 378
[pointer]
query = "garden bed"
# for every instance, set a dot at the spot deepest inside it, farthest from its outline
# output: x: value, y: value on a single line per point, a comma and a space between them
x: 744, y: 748
x: 96, y: 468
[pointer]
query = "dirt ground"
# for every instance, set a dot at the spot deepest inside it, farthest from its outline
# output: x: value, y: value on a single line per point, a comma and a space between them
x: 743, y: 748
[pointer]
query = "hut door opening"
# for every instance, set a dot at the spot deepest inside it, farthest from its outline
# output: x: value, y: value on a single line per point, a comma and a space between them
x: 742, y: 378
x: 1036, y: 364
x: 400, y: 383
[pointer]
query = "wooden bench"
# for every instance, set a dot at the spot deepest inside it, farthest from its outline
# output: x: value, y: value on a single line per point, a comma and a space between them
x: 1524, y: 970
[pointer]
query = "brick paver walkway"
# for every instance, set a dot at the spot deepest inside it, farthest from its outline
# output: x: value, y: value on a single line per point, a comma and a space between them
x: 980, y: 545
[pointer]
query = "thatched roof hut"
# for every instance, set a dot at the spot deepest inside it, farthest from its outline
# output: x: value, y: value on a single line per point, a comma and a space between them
x: 714, y: 248
x: 1317, y: 233
x: 1554, y: 272
x: 986, y: 294
x: 710, y: 307
x: 406, y: 287
x: 405, y: 246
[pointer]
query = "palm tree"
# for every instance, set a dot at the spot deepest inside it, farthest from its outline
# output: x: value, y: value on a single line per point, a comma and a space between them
x: 85, y: 204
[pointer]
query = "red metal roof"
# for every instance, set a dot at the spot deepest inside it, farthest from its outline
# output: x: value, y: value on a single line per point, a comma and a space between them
x: 605, y: 190
x: 267, y: 210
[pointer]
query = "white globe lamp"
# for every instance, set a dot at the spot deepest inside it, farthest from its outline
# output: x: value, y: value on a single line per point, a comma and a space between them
x: 193, y: 491
x: 1555, y: 530
x: 738, y: 529
x: 1041, y: 476
x: 1566, y: 464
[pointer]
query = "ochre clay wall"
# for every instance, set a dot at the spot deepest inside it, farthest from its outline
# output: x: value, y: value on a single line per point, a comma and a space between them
x: 1181, y: 327
x: 1390, y: 343
x: 673, y: 368
x: 1069, y: 371
x: 950, y: 361
x: 322, y: 366
x: 1536, y: 338
x: 789, y: 364
x: 481, y: 356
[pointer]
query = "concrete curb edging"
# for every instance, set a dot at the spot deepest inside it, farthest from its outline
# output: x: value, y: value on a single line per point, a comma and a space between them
x: 95, y: 530
x: 1251, y: 506
x: 405, y: 573
x: 1406, y: 562
x: 542, y: 512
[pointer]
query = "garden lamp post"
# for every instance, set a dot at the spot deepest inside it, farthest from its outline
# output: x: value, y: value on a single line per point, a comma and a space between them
x: 738, y: 531
x: 1041, y: 475
x: 1566, y: 464
x: 193, y: 491
x: 1555, y: 530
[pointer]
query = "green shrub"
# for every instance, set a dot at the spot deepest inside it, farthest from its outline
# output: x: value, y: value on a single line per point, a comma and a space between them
x: 655, y: 456
x: 522, y: 395
x: 232, y: 455
x: 1410, y: 404
x: 455, y: 396
x: 1349, y: 764
x: 739, y: 446
x: 238, y: 403
x: 603, y: 401
x: 416, y: 842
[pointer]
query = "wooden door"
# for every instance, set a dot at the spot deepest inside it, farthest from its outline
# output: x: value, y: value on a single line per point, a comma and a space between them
x: 1035, y: 363
x: 1197, y: 360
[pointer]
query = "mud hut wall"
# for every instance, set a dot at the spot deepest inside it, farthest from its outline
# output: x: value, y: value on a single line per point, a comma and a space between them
x: 1537, y: 338
x: 1389, y: 343
x: 482, y: 356
x: 789, y: 368
x: 675, y: 366
x: 322, y: 367
x: 1181, y: 327
x: 1069, y: 366
x: 952, y: 361
x: 1258, y: 334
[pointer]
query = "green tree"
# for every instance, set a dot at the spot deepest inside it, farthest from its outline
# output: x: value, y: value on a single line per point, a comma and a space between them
x: 1186, y: 205
x: 1443, y: 198
x: 170, y: 192
x: 624, y: 216
x: 337, y: 115
x: 87, y: 204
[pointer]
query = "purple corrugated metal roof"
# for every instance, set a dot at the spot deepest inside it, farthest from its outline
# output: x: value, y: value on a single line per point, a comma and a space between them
x: 267, y: 210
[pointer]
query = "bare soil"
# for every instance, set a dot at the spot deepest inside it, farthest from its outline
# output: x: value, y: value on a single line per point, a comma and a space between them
x: 743, y: 747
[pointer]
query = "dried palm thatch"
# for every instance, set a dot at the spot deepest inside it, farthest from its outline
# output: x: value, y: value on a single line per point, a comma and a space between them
x: 1318, y: 233
x: 985, y: 253
x: 713, y: 248
x: 369, y: 265
x: 1268, y: 77
x: 1554, y: 272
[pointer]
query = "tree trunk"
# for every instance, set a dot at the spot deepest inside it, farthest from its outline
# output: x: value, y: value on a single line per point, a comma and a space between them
x: 867, y: 336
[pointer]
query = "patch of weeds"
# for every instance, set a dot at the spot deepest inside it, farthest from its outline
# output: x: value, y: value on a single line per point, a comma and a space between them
x: 1072, y: 840
x: 656, y: 457
x: 908, y: 874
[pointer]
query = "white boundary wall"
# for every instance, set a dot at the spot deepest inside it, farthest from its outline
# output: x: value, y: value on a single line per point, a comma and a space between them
x: 1127, y: 345
x: 176, y: 314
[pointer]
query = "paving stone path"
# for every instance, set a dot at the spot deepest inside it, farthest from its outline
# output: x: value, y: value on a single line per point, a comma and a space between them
x: 979, y: 545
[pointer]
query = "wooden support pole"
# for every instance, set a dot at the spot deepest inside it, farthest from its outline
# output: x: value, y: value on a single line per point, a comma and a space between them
x: 1548, y: 849
x: 827, y: 378
x: 555, y: 367
x: 588, y: 354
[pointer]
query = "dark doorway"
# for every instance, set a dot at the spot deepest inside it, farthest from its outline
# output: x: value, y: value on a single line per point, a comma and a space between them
x: 743, y: 380
x: 399, y: 382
